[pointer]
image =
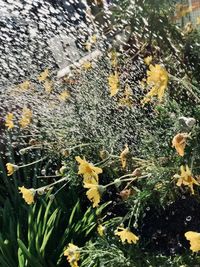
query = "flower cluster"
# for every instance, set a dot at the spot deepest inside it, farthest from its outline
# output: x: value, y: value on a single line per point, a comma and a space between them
x: 90, y: 180
x: 24, y: 121
x: 157, y: 79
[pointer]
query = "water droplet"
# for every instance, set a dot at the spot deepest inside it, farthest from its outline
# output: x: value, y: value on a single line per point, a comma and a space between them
x: 188, y: 218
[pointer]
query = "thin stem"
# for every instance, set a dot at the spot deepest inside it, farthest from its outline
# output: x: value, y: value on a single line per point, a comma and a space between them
x: 49, y: 176
x: 60, y: 188
x: 127, y: 180
x: 57, y: 182
x: 23, y: 150
x: 32, y: 163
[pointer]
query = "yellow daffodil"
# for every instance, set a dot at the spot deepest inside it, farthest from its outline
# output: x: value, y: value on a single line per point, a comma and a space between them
x: 64, y: 96
x: 11, y: 168
x: 198, y: 21
x: 26, y: 117
x: 113, y: 58
x: 157, y: 79
x: 93, y: 194
x: 43, y: 75
x: 188, y: 28
x: 101, y: 229
x: 25, y: 85
x: 185, y: 178
x: 87, y: 65
x: 126, y: 235
x: 147, y: 60
x: 179, y: 142
x: 113, y: 81
x: 48, y: 86
x: 123, y: 156
x: 126, y: 99
x: 88, y: 170
x: 72, y: 252
x: 194, y: 239
x: 182, y: 10
x: 9, y: 121
x: 91, y: 41
x: 27, y: 194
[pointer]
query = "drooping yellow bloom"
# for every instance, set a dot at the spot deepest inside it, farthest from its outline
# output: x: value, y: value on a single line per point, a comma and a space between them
x: 93, y: 194
x: 123, y: 156
x: 88, y: 170
x: 101, y: 229
x: 182, y: 10
x: 157, y: 79
x: 43, y: 75
x: 179, y: 142
x: 185, y: 178
x: 194, y: 238
x: 27, y: 194
x: 48, y: 86
x: 11, y: 168
x: 72, y: 253
x: 147, y: 60
x: 113, y: 81
x: 126, y: 234
x: 9, y: 121
x: 64, y: 96
x: 26, y: 117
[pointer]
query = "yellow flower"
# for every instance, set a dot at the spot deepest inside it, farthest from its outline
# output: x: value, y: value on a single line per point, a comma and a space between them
x: 179, y: 142
x: 126, y: 234
x: 182, y: 10
x: 188, y: 28
x: 48, y: 86
x: 93, y: 193
x: 157, y: 79
x: 126, y: 99
x: 88, y: 170
x: 26, y: 117
x: 25, y: 85
x: 11, y: 168
x: 113, y: 81
x: 87, y: 65
x: 73, y: 254
x: 194, y: 239
x: 123, y: 156
x: 64, y: 96
x: 92, y: 40
x: 101, y: 229
x: 27, y: 194
x: 185, y: 178
x: 9, y: 121
x: 198, y: 21
x: 113, y: 58
x: 147, y: 60
x: 43, y: 75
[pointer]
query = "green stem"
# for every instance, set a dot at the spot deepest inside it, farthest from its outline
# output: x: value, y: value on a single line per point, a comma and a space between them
x: 49, y: 185
x: 127, y: 180
x: 32, y: 163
